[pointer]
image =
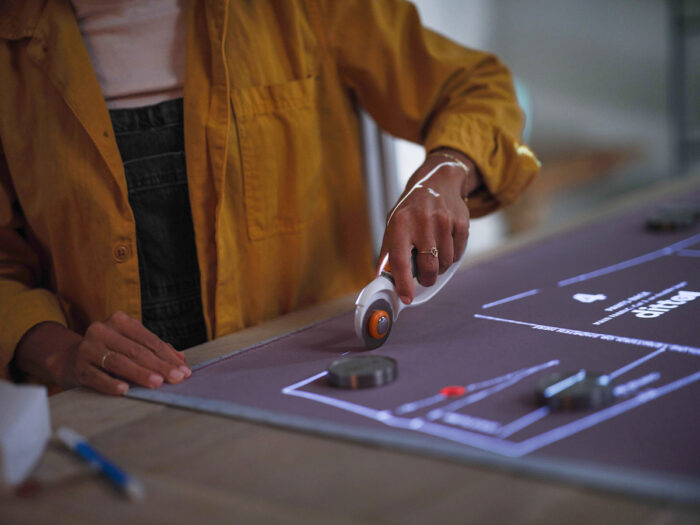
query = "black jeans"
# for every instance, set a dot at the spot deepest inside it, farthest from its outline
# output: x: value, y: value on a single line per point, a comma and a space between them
x: 151, y: 143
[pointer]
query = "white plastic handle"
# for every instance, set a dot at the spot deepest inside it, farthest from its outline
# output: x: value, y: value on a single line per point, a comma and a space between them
x: 383, y: 288
x: 425, y: 293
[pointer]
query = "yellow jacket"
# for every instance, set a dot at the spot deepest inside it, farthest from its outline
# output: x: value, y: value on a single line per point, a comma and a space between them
x: 272, y: 152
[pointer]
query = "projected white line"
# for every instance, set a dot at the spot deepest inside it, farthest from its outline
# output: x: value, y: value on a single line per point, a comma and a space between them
x: 412, y: 406
x: 629, y: 387
x: 489, y: 382
x: 522, y: 422
x: 495, y: 444
x: 668, y: 250
x: 344, y: 405
x: 473, y: 398
x: 487, y: 426
x: 683, y: 349
x: 564, y: 431
x: 417, y: 424
x: 689, y: 253
x: 636, y: 363
x: 511, y: 298
x: 304, y: 382
x: 421, y: 403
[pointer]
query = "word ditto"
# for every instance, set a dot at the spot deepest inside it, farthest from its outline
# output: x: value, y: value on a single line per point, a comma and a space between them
x: 661, y: 307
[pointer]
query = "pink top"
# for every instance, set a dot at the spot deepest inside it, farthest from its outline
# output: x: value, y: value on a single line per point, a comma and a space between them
x: 137, y: 48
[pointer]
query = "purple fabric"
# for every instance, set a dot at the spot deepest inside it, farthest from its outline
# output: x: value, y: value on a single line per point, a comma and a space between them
x: 468, y: 335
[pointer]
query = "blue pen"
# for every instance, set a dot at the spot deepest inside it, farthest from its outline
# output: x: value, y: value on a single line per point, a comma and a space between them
x: 129, y: 485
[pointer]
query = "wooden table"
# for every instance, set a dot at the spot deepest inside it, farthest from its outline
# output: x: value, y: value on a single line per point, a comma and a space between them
x: 199, y: 468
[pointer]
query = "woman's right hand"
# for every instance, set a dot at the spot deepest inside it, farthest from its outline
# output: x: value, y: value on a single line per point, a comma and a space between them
x: 111, y: 354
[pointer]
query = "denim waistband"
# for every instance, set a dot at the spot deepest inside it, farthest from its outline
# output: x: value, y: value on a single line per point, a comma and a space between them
x: 147, y: 118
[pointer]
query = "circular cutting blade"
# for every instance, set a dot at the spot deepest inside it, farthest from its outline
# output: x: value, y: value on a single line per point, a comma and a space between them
x: 376, y: 325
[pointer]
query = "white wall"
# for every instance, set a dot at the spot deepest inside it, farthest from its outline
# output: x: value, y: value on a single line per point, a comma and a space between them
x: 597, y: 71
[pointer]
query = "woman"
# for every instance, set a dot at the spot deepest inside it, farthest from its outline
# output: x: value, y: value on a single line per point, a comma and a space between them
x: 173, y: 173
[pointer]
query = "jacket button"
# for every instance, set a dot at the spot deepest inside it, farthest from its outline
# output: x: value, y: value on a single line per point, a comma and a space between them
x: 121, y: 252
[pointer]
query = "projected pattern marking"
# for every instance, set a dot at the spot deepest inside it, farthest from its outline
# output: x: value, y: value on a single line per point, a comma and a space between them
x: 445, y: 422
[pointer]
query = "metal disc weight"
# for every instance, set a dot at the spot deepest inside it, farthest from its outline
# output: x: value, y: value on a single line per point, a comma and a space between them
x: 362, y: 371
x: 589, y: 391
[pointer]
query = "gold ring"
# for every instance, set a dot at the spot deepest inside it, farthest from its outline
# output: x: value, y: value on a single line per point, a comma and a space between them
x: 432, y: 251
x: 104, y: 358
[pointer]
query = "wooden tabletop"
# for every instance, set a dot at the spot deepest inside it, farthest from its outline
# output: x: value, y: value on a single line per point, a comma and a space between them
x: 200, y: 468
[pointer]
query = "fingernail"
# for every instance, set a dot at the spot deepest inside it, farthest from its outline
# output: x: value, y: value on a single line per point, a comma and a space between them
x: 155, y: 380
x: 122, y: 388
x: 186, y: 371
x: 176, y: 375
x: 405, y: 299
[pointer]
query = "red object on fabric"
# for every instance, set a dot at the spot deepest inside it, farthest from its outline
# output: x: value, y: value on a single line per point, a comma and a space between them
x: 453, y: 391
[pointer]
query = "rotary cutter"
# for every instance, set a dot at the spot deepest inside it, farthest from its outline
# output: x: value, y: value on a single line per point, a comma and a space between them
x: 378, y: 306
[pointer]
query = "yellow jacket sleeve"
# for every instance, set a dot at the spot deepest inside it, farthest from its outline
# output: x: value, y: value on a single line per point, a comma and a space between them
x: 21, y: 304
x: 425, y: 88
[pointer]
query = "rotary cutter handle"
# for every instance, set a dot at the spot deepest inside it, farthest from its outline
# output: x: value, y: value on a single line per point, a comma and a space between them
x: 378, y: 306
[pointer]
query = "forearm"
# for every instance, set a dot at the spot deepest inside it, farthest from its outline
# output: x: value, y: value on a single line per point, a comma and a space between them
x: 460, y: 178
x: 439, y: 94
x: 471, y: 180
